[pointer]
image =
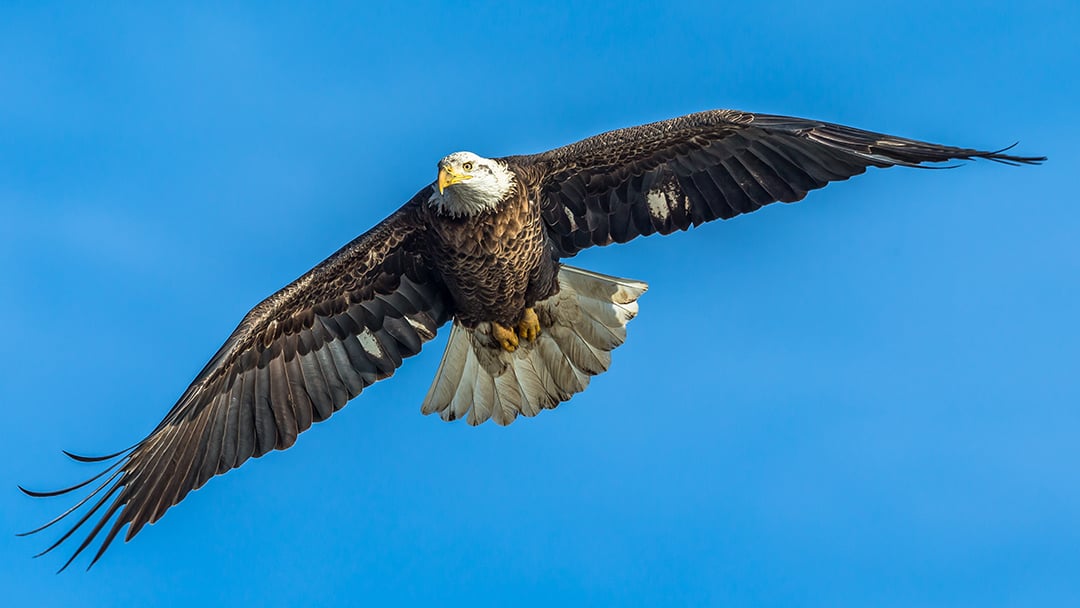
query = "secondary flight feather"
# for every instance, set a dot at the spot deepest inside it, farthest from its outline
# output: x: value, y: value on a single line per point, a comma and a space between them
x: 480, y: 247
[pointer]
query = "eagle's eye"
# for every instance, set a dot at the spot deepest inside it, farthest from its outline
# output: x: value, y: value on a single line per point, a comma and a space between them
x: 467, y: 166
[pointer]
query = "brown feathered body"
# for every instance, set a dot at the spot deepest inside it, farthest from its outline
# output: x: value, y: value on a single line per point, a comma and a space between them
x: 496, y: 263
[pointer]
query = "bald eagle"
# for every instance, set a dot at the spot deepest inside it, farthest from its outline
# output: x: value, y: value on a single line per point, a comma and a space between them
x: 481, y: 247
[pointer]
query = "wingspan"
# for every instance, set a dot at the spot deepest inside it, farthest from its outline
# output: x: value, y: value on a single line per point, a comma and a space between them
x: 295, y: 359
x: 671, y: 175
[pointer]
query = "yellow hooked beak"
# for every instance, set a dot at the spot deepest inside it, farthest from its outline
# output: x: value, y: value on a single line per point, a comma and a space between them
x: 448, y: 177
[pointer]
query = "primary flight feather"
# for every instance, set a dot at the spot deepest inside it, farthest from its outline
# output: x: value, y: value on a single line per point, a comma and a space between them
x: 480, y: 246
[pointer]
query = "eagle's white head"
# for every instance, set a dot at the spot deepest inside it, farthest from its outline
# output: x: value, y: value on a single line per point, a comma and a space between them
x: 469, y: 184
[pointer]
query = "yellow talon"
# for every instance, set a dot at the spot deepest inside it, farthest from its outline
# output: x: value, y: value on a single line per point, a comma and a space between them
x: 505, y: 337
x: 529, y: 327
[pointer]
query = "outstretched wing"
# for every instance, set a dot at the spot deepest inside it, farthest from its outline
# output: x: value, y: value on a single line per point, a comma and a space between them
x: 671, y: 175
x: 295, y: 359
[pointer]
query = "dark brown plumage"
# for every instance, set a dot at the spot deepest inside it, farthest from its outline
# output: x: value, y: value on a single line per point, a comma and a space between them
x: 301, y: 354
x: 494, y: 264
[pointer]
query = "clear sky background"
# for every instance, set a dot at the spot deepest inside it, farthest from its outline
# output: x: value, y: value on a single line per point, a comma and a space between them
x: 870, y: 398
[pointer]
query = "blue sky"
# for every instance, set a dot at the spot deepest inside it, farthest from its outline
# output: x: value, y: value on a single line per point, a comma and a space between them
x: 867, y: 398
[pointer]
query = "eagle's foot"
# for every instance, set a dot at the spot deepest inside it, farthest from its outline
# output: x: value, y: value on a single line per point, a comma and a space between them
x: 529, y: 327
x: 504, y: 336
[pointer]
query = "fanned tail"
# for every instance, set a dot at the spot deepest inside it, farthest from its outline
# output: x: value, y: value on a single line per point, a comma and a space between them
x: 580, y: 326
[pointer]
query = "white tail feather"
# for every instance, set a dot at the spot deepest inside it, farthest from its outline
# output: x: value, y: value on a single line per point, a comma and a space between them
x: 580, y: 326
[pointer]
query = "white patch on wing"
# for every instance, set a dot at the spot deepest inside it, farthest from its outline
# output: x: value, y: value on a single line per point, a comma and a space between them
x: 421, y: 329
x: 658, y: 204
x: 370, y: 344
x: 570, y: 216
